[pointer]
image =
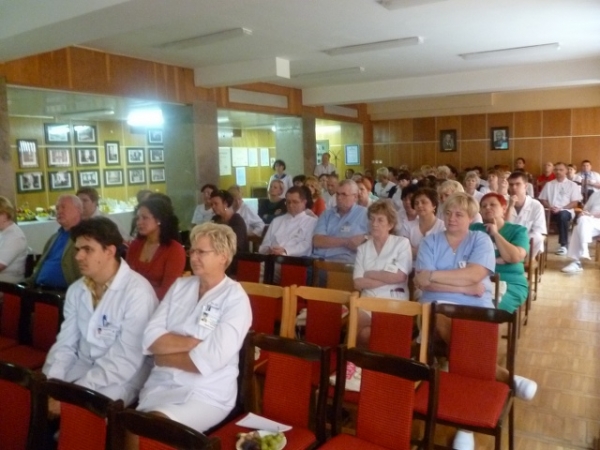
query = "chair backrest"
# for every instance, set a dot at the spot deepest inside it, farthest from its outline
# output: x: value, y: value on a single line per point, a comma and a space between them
x: 293, y: 269
x: 392, y: 325
x: 270, y: 306
x: 85, y: 416
x: 47, y: 315
x: 11, y: 309
x: 288, y: 391
x: 339, y: 275
x: 473, y: 347
x: 20, y: 401
x: 159, y: 433
x: 495, y: 279
x: 385, y: 405
x: 254, y: 267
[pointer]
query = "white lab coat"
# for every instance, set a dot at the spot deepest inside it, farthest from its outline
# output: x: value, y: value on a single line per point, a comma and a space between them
x: 533, y: 217
x: 292, y: 233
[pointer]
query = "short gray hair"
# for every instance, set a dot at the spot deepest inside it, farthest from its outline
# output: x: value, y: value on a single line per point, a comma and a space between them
x: 350, y: 183
x: 222, y: 238
x: 76, y: 201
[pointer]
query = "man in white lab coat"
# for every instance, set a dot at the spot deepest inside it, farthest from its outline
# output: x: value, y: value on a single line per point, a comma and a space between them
x: 99, y: 345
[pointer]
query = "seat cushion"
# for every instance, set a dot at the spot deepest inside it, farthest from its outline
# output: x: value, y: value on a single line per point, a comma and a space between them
x: 297, y: 438
x: 25, y: 356
x: 466, y: 401
x: 346, y: 442
x: 6, y: 342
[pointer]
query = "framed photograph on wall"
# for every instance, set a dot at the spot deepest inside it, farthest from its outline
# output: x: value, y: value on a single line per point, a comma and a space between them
x: 30, y: 182
x: 61, y: 180
x: 322, y: 147
x: 87, y: 156
x: 58, y: 157
x: 499, y: 138
x: 157, y: 175
x: 28, y: 155
x: 135, y: 155
x: 113, y: 177
x: 352, y: 155
x: 112, y: 153
x: 157, y: 155
x: 137, y: 176
x: 57, y: 133
x: 89, y: 178
x: 85, y: 134
x: 448, y: 140
x: 155, y: 136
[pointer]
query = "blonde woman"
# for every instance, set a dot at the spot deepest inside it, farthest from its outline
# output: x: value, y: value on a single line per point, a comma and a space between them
x: 446, y: 189
x: 470, y: 183
x: 13, y: 245
x: 384, y: 186
x: 313, y: 185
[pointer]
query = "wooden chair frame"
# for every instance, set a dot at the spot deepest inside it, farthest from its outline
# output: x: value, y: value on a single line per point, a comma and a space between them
x: 339, y: 274
x: 298, y: 261
x: 271, y: 291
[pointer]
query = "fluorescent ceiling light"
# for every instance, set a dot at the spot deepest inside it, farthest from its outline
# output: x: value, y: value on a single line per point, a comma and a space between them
x: 531, y: 50
x: 330, y: 73
x: 88, y: 113
x: 206, y: 39
x: 222, y: 119
x: 31, y: 116
x: 374, y: 46
x: 145, y: 118
x: 399, y: 4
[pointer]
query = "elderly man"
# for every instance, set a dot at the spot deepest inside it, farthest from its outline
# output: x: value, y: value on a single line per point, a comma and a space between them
x: 587, y: 228
x: 254, y: 223
x: 89, y: 200
x: 340, y: 230
x: 526, y: 211
x: 99, y: 345
x: 325, y: 167
x: 560, y: 196
x: 57, y: 268
x: 291, y: 234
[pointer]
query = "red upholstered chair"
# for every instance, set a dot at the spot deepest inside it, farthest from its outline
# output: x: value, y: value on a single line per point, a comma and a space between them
x: 270, y: 306
x: 11, y: 313
x: 385, y: 406
x: 469, y: 395
x: 293, y: 269
x: 45, y: 311
x: 251, y: 265
x: 288, y: 393
x: 159, y: 433
x: 87, y: 418
x: 20, y: 400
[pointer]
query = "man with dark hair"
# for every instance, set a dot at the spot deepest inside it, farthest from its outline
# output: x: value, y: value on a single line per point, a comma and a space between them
x: 254, y: 223
x: 299, y: 180
x: 89, y: 200
x: 588, y: 179
x: 99, y: 345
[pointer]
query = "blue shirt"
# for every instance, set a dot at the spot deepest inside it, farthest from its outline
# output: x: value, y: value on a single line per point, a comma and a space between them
x: 436, y: 254
x: 51, y: 273
x: 331, y: 223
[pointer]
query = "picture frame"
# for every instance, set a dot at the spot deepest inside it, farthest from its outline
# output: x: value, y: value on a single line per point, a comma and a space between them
x: 58, y: 156
x: 157, y: 175
x: 112, y: 153
x: 87, y: 156
x: 61, y: 180
x: 499, y: 138
x: 448, y: 141
x: 113, y: 177
x: 321, y: 147
x: 136, y: 176
x: 85, y: 134
x: 155, y: 136
x: 28, y: 153
x: 57, y: 133
x: 352, y: 153
x: 30, y: 182
x: 136, y: 155
x: 88, y: 178
x: 156, y: 155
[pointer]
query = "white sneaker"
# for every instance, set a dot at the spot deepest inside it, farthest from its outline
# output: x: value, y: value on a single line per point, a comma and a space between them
x: 463, y: 440
x: 562, y: 251
x: 525, y: 388
x: 573, y: 267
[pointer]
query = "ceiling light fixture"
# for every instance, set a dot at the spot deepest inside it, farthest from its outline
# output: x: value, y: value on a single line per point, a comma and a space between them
x: 146, y: 118
x: 399, y: 4
x: 206, y: 39
x: 531, y: 50
x: 374, y: 46
x: 330, y: 73
x: 88, y: 113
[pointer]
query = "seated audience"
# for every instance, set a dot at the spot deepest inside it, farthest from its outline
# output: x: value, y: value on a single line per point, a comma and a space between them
x: 141, y: 195
x: 526, y: 211
x: 156, y: 253
x: 203, y: 212
x: 492, y: 182
x: 325, y: 168
x: 571, y: 172
x: 560, y: 196
x: 274, y: 205
x: 511, y: 245
x: 349, y: 174
x: 449, y: 187
x: 286, y: 180
x: 254, y: 224
x: 587, y: 179
x: 424, y: 202
x: 545, y: 177
x: 587, y: 228
x: 56, y: 268
x: 13, y: 245
x: 99, y: 345
x: 383, y: 263
x: 340, y: 230
x: 329, y: 196
x: 195, y: 336
x: 403, y: 180
x: 365, y: 198
x: 471, y: 182
x: 318, y: 206
x: 222, y: 202
x: 89, y: 200
x: 406, y: 213
x: 384, y: 188
x: 520, y: 166
x: 299, y: 180
x: 291, y: 234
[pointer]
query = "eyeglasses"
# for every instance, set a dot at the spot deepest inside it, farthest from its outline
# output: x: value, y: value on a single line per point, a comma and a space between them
x: 197, y: 252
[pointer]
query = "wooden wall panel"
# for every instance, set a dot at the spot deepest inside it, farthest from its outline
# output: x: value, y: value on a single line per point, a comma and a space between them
x: 131, y: 77
x: 442, y: 158
x: 381, y: 131
x: 401, y: 130
x: 500, y: 157
x: 55, y: 66
x: 473, y: 153
x: 531, y: 150
x: 500, y: 120
x: 89, y: 70
x: 24, y: 71
x: 424, y: 129
x: 556, y: 149
x: 527, y: 124
x: 424, y: 153
x: 586, y: 121
x: 401, y: 154
x: 556, y: 122
x: 586, y: 147
x: 380, y: 152
x: 473, y: 126
x: 448, y: 123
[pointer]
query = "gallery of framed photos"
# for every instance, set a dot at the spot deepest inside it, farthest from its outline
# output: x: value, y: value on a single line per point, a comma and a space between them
x: 62, y: 141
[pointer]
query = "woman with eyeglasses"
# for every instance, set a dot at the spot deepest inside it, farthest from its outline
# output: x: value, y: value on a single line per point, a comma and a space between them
x: 195, y: 336
x: 222, y: 204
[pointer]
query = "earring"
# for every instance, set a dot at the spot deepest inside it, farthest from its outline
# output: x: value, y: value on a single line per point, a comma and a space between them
x: 158, y: 223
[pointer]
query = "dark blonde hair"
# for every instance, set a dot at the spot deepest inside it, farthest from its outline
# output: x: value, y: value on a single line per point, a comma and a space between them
x: 6, y: 207
x: 385, y: 208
